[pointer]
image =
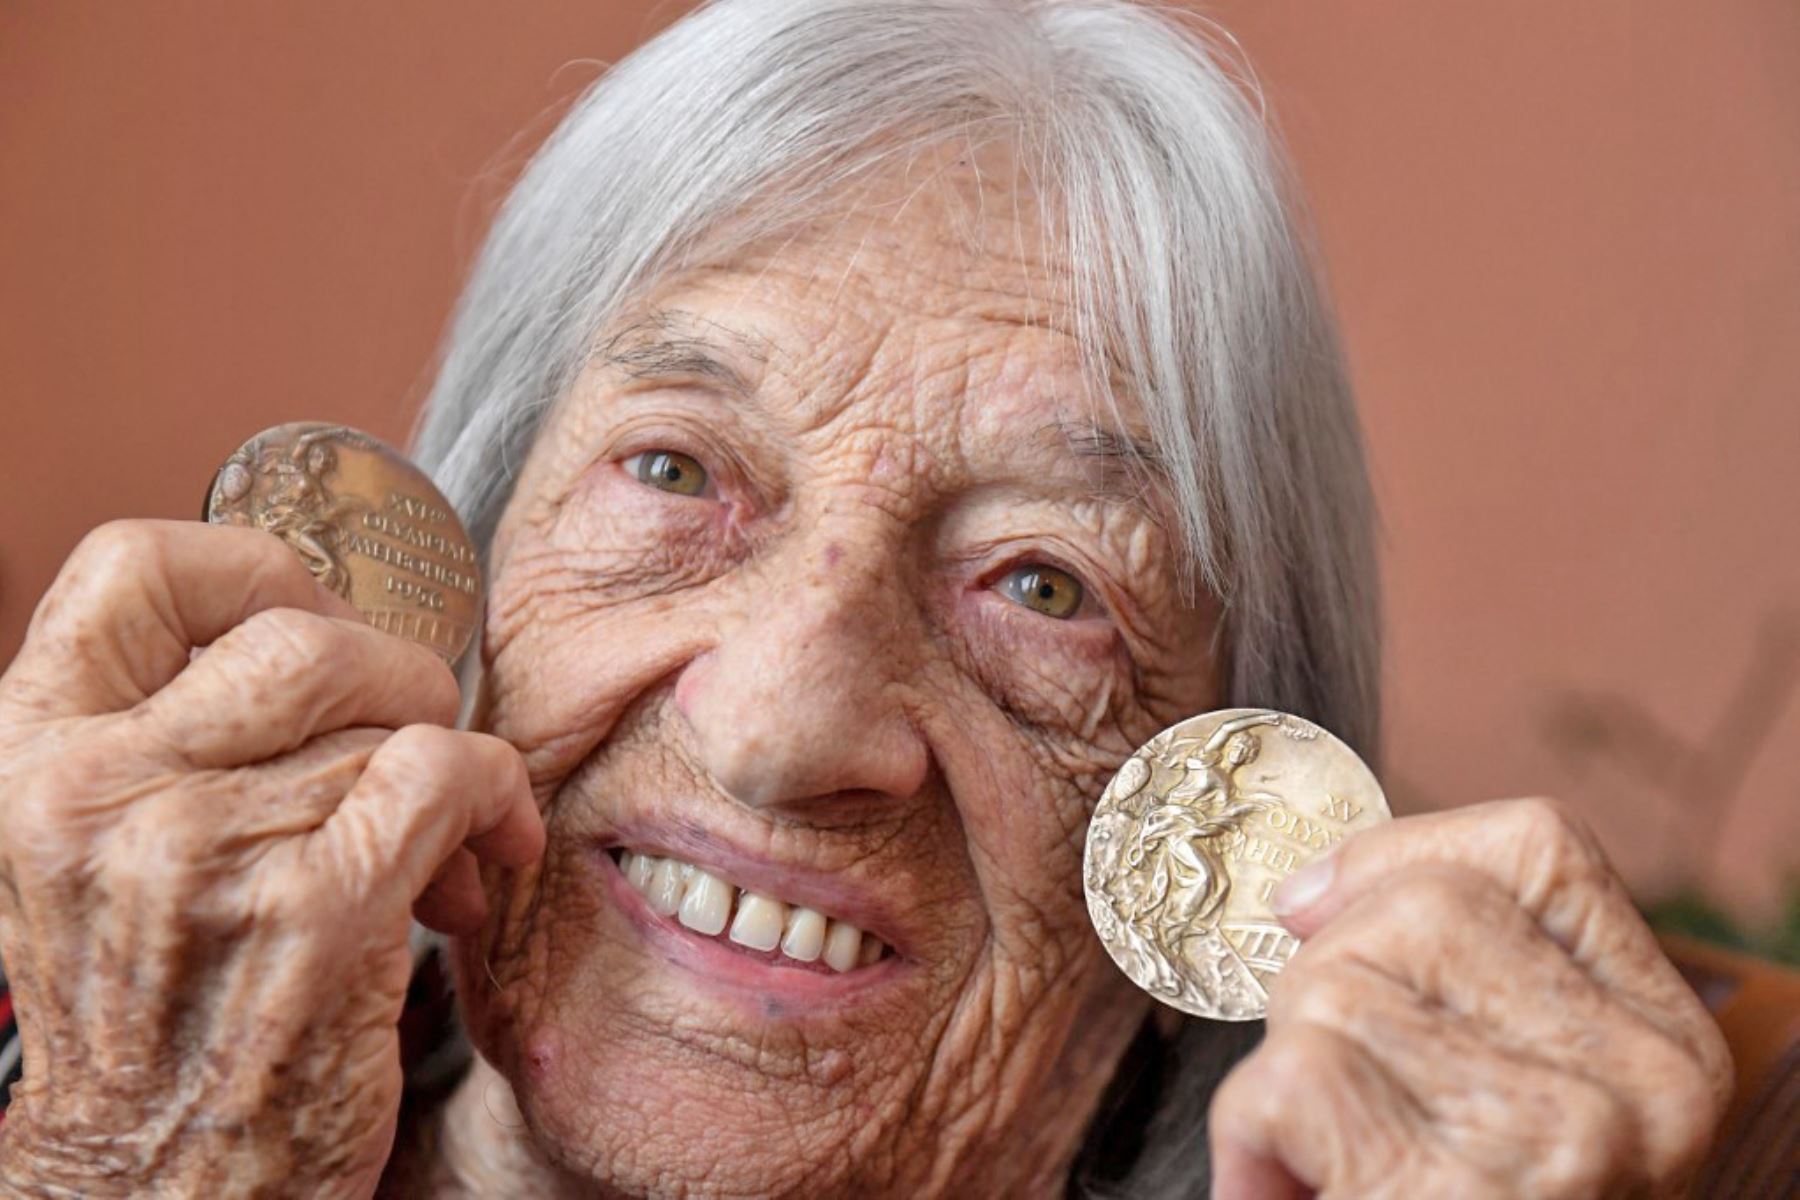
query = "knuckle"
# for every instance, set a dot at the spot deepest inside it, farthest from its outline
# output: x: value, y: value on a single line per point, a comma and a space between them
x: 102, y: 566
x: 116, y: 544
x: 290, y: 634
x: 1317, y: 990
x: 286, y: 655
x: 1686, y: 1106
x: 417, y: 760
x: 1545, y: 822
x: 1556, y: 854
x: 508, y: 763
x: 1589, y: 1135
x: 1242, y: 1099
x: 1423, y: 899
x: 1299, y: 1059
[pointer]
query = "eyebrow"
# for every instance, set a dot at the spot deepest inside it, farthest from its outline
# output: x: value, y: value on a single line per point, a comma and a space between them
x: 1123, y: 465
x: 673, y: 344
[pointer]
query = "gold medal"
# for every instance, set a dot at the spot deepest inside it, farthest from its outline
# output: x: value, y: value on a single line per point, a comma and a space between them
x: 1192, y: 836
x: 367, y: 523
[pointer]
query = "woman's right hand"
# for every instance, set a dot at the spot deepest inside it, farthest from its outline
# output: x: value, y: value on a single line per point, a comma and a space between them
x: 209, y: 863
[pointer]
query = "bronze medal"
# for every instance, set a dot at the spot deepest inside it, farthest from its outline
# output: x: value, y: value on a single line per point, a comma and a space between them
x: 368, y: 524
x: 1192, y: 836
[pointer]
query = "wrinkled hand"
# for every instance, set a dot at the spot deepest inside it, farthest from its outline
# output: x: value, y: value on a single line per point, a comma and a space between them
x: 209, y: 863
x: 1477, y: 1011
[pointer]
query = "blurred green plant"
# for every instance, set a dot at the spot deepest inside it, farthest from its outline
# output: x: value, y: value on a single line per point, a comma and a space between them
x: 1691, y: 914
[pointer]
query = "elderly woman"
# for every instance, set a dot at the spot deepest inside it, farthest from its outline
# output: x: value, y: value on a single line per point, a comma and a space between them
x: 878, y: 419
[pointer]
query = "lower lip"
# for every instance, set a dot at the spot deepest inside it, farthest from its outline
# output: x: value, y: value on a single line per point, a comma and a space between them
x: 749, y: 970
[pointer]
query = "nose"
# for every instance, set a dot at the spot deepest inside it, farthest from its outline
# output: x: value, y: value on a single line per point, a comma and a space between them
x: 800, y: 699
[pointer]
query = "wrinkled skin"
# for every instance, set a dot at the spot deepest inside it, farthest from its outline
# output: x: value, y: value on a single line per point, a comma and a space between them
x: 209, y: 868
x: 811, y: 670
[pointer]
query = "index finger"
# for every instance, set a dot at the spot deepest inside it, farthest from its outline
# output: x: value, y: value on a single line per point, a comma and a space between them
x: 428, y: 791
x: 136, y: 597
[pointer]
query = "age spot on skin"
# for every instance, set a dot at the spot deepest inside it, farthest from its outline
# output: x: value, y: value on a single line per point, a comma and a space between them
x: 542, y: 1050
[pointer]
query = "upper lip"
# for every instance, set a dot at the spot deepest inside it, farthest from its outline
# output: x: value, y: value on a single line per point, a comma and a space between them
x: 828, y: 892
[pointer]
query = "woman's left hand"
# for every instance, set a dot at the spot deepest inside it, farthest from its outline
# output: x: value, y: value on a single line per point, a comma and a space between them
x: 1478, y: 1011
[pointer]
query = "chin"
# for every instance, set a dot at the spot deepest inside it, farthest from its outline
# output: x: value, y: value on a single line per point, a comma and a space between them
x: 658, y: 1045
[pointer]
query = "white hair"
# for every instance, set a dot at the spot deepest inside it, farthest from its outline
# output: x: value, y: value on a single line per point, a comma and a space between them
x: 1192, y: 286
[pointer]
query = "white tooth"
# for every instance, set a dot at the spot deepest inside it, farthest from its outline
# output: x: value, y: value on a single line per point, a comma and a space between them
x: 871, y: 951
x: 805, y: 934
x: 843, y: 942
x: 638, y: 870
x: 707, y: 903
x: 666, y: 882
x: 759, y: 921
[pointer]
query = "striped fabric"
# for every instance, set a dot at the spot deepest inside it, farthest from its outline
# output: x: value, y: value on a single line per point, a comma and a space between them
x: 10, y: 1062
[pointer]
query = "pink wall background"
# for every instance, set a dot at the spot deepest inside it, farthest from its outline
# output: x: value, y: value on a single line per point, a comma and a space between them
x: 1564, y: 237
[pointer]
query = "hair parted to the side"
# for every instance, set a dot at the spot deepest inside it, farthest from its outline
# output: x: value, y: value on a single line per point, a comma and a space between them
x: 1193, y: 290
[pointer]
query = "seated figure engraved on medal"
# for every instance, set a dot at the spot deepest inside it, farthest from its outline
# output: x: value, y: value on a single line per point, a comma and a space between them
x: 283, y: 490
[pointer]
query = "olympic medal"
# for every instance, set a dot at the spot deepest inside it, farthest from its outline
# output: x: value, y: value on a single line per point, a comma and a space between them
x: 1191, y: 838
x: 366, y: 522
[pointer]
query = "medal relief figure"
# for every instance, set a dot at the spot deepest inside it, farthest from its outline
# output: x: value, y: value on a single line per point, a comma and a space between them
x: 298, y: 506
x: 1182, y: 839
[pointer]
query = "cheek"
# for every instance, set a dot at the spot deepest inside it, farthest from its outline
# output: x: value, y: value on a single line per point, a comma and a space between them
x: 506, y: 975
x: 573, y: 637
x: 1068, y: 687
x: 1022, y: 798
x: 583, y: 609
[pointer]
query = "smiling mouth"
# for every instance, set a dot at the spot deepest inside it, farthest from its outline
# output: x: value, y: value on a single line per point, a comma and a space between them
x: 761, y: 925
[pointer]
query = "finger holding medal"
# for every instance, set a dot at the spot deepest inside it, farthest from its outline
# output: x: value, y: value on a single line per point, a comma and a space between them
x: 1457, y: 1004
x: 1477, y: 1010
x: 227, y: 788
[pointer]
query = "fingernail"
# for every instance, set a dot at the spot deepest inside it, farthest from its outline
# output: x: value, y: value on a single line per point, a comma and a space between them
x: 1301, y: 890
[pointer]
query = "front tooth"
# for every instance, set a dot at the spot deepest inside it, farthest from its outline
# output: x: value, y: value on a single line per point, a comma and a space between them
x: 638, y: 870
x: 871, y: 951
x: 666, y: 882
x: 805, y: 934
x: 707, y: 903
x: 843, y: 942
x: 759, y: 921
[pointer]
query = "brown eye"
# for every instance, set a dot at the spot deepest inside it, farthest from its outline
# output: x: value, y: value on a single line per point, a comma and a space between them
x: 668, y: 471
x: 1043, y: 589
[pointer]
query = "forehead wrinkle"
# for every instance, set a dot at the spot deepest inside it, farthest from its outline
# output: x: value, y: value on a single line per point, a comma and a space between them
x: 666, y: 344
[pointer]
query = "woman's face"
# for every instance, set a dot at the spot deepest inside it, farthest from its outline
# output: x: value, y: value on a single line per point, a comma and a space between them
x: 824, y: 581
